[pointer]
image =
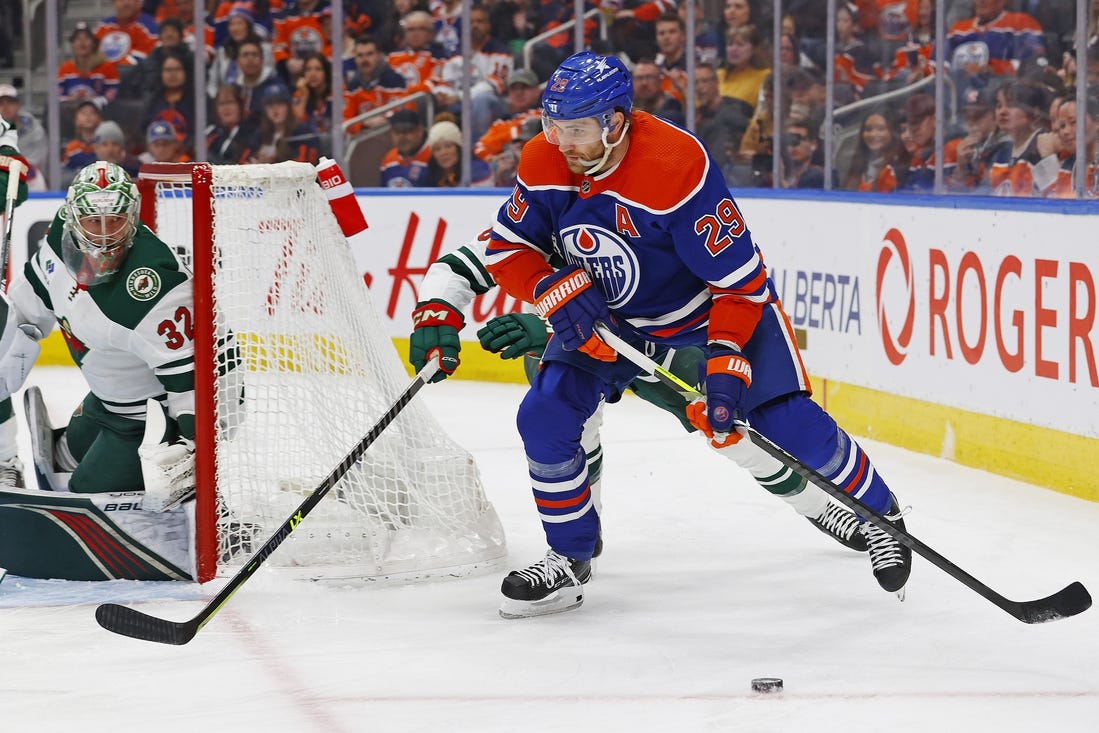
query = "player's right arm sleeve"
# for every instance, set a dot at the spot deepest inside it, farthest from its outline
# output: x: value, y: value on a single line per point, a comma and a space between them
x: 515, y: 256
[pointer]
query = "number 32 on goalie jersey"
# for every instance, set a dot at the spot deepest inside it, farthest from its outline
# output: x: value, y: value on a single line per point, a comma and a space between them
x: 177, y: 330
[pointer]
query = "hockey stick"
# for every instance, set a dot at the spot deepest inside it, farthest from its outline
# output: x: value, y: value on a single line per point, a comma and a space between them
x: 1068, y: 601
x: 15, y: 170
x: 131, y: 622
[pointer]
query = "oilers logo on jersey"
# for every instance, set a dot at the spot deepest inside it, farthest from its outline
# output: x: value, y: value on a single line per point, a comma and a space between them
x: 611, y: 264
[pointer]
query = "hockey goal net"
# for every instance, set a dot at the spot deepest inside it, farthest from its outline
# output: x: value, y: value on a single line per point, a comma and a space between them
x: 292, y: 367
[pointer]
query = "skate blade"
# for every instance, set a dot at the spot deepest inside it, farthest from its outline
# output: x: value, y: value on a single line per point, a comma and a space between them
x: 900, y: 593
x: 558, y: 602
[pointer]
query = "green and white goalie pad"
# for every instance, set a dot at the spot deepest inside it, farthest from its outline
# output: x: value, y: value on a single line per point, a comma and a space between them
x: 66, y: 536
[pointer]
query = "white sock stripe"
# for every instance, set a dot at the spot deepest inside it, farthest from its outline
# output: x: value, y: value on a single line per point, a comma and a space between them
x: 560, y: 487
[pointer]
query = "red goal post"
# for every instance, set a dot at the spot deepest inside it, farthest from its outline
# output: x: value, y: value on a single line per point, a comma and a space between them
x: 292, y: 364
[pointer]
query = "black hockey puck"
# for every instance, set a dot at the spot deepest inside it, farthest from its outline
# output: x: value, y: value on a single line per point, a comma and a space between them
x: 767, y: 685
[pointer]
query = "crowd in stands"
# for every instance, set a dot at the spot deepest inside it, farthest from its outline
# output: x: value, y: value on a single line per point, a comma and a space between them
x: 128, y: 92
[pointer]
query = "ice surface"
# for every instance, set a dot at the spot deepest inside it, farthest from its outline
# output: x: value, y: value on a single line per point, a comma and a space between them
x: 705, y: 583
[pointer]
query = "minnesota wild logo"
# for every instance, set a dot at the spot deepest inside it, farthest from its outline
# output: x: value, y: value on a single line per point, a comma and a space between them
x: 143, y: 284
x: 77, y: 348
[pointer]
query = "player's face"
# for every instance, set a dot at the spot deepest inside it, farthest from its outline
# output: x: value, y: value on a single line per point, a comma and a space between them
x: 105, y: 232
x: 578, y: 140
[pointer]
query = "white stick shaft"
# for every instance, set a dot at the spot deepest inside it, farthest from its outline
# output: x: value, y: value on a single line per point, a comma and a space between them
x: 15, y: 172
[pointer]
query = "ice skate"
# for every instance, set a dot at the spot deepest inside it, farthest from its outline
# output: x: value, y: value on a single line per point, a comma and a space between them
x: 551, y: 585
x: 891, y: 561
x: 842, y: 525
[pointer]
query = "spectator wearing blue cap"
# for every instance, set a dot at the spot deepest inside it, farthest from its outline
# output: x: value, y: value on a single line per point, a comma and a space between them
x: 162, y: 144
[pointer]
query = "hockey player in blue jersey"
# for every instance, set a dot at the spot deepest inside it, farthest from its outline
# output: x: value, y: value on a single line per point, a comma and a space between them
x: 658, y: 250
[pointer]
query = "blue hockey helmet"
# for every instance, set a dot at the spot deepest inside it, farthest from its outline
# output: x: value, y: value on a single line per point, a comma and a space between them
x: 588, y: 85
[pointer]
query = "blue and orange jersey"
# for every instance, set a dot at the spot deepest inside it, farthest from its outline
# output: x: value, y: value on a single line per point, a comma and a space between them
x: 921, y: 168
x: 659, y: 234
x: 300, y: 33
x: 1064, y: 187
x: 884, y: 182
x: 77, y: 154
x: 1011, y: 174
x: 101, y: 82
x: 1009, y: 38
x: 401, y: 172
x: 126, y: 44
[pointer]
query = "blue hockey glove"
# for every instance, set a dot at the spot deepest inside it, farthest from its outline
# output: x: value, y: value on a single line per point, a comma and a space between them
x: 568, y: 301
x: 728, y: 375
x: 436, y: 324
x: 514, y: 334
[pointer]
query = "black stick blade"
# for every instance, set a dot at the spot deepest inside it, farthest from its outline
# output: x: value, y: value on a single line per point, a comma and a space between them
x: 1069, y: 601
x: 129, y: 622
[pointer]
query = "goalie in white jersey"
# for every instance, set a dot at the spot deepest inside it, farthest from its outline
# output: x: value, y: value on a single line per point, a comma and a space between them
x: 123, y: 302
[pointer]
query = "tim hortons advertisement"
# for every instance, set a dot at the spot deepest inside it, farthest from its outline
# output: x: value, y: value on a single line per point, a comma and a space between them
x: 988, y: 310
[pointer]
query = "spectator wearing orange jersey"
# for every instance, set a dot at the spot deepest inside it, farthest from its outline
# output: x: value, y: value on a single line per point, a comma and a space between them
x: 129, y: 35
x: 377, y: 86
x: 994, y: 36
x: 88, y: 75
x: 880, y: 161
x: 1020, y: 113
x: 420, y: 59
x: 163, y: 145
x: 406, y: 163
x: 495, y: 147
x: 671, y: 57
x: 298, y: 34
x: 918, y: 136
x: 80, y: 151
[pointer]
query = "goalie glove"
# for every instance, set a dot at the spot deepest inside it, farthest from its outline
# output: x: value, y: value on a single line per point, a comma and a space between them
x: 168, y: 469
x: 18, y: 349
x: 435, y: 325
x: 513, y: 335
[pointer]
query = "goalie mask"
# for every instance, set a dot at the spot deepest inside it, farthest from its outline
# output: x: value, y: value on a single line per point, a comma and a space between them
x: 581, y: 98
x: 101, y: 217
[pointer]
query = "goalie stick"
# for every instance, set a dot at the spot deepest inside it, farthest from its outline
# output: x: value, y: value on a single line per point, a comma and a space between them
x: 15, y: 170
x: 1068, y: 601
x: 131, y: 622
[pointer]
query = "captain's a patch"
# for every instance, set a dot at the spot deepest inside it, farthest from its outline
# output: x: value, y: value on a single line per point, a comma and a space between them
x: 143, y: 284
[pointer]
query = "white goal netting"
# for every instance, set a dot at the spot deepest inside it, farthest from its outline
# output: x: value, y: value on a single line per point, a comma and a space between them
x: 305, y: 368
